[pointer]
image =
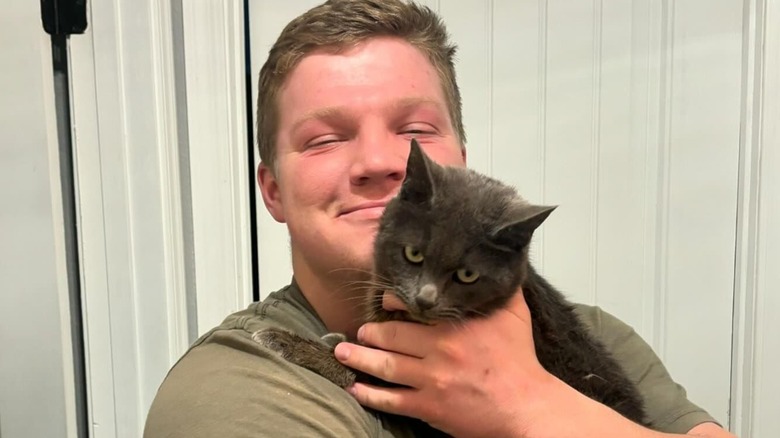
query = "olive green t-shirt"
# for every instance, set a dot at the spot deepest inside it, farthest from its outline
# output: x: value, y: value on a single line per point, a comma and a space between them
x: 228, y: 386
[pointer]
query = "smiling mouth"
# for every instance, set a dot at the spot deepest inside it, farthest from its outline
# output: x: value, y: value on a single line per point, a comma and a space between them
x: 368, y: 213
x: 368, y: 210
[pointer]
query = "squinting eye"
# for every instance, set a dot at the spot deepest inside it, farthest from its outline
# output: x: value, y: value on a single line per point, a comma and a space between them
x: 413, y: 255
x: 466, y: 276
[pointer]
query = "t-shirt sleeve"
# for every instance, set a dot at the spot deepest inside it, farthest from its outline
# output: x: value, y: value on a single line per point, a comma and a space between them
x: 666, y: 402
x: 228, y: 386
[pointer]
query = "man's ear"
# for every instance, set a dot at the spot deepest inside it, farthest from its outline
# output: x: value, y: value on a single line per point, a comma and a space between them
x: 272, y: 197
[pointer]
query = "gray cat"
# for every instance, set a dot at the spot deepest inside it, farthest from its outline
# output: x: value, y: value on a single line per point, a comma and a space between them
x: 453, y: 245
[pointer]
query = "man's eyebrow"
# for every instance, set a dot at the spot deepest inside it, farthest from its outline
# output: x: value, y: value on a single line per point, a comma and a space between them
x: 330, y: 112
x: 408, y: 102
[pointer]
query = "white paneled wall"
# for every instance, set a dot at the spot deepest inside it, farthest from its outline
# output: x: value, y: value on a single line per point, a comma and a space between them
x: 627, y: 115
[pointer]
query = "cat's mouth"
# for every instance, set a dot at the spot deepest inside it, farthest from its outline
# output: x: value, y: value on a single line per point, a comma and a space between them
x: 393, y: 303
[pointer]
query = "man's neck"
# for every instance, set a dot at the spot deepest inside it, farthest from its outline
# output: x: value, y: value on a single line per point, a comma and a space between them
x: 338, y: 303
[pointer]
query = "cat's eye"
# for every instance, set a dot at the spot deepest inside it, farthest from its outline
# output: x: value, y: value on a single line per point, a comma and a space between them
x: 466, y: 276
x: 412, y: 254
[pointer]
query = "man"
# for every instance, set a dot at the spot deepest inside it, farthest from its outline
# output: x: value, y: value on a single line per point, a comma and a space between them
x: 345, y: 88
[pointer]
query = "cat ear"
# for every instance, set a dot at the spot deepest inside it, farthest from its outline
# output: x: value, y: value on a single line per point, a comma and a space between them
x: 417, y: 187
x: 516, y: 234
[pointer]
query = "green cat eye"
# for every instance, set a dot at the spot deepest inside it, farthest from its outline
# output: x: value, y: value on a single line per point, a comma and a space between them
x: 413, y: 255
x: 466, y: 276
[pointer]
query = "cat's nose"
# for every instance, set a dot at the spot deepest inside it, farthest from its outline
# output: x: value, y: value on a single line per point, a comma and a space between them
x: 427, y: 297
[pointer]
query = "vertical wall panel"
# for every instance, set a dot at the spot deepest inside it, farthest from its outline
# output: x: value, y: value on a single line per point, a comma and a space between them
x: 702, y: 186
x: 569, y: 161
x: 470, y: 23
x: 518, y: 103
x: 648, y: 99
x: 756, y: 382
x: 620, y: 199
x: 766, y: 422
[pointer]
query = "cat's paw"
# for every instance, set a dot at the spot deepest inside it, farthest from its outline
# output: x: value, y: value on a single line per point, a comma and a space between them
x: 276, y: 340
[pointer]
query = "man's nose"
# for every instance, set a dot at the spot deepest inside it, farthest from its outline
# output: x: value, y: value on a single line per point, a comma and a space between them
x: 379, y: 159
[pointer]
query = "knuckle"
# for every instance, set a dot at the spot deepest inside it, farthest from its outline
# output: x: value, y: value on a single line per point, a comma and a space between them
x: 441, y: 382
x: 392, y: 333
x: 388, y: 367
x: 452, y: 351
x: 375, y: 401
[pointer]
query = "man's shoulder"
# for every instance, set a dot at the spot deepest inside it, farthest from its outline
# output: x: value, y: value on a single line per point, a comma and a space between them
x: 228, y: 385
x: 285, y: 309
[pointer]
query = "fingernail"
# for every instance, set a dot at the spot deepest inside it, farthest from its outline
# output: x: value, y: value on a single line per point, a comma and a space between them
x: 342, y: 351
x: 351, y: 389
x: 360, y: 333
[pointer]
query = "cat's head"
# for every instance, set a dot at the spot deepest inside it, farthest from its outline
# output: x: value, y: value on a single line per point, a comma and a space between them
x: 454, y: 243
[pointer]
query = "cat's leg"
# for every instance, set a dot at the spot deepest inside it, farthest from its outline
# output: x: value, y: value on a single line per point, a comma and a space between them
x: 306, y: 353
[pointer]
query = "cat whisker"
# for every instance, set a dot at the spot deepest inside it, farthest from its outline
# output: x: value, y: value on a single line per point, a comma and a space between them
x: 358, y: 270
x: 362, y: 287
x: 367, y: 285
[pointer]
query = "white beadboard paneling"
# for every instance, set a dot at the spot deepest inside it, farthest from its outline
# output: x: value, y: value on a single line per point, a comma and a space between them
x: 620, y: 216
x: 648, y: 109
x: 766, y: 422
x: 218, y: 157
x: 746, y: 266
x: 569, y: 167
x: 470, y: 23
x: 767, y: 384
x: 267, y: 19
x: 128, y: 194
x: 701, y: 174
x: 518, y: 75
x: 519, y: 103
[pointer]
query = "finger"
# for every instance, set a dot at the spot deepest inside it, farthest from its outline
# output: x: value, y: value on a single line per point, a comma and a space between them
x: 403, y: 337
x: 390, y: 400
x: 388, y: 366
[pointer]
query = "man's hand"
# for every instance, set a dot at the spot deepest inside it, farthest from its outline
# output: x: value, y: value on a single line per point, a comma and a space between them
x: 480, y: 377
x: 481, y: 367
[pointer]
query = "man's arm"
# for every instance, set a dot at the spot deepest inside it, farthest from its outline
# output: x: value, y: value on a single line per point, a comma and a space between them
x: 487, y: 372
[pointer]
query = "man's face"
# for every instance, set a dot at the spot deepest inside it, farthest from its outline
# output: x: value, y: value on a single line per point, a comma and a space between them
x: 345, y: 125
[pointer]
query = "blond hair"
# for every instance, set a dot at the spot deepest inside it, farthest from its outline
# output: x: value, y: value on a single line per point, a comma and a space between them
x: 339, y: 24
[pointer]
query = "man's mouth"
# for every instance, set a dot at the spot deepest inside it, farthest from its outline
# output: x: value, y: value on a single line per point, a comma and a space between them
x: 367, y: 210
